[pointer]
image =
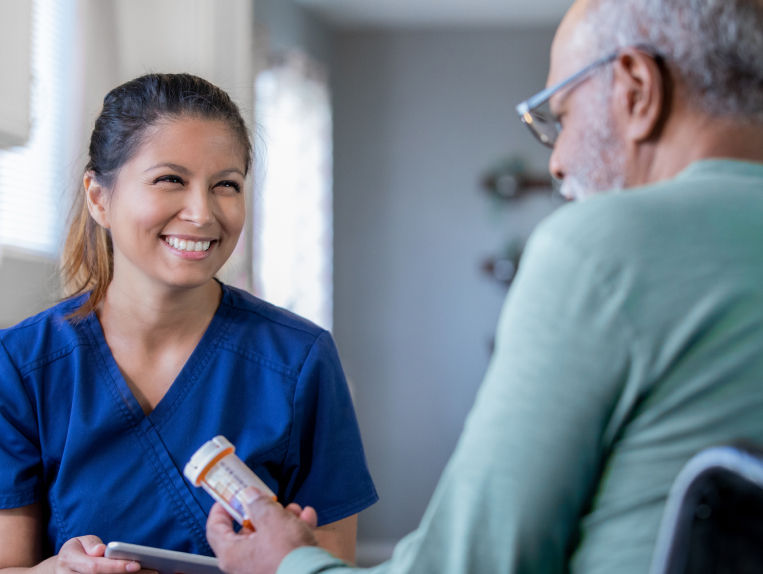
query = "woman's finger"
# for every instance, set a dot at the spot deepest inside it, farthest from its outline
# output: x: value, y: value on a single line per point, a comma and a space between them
x: 92, y: 545
x: 74, y: 557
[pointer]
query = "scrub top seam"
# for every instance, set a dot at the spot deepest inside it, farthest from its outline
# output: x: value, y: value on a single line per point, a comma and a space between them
x: 37, y: 364
x: 288, y: 453
x: 23, y: 498
x: 217, y: 329
x: 63, y: 531
x: 22, y: 376
x: 262, y: 361
x: 121, y: 401
x: 168, y: 485
x: 261, y: 307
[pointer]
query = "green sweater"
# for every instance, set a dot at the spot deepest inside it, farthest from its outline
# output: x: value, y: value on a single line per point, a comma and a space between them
x: 631, y: 338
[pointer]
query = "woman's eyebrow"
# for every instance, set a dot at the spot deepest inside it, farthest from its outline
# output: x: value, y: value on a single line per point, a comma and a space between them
x: 230, y: 170
x: 186, y: 171
x: 170, y: 165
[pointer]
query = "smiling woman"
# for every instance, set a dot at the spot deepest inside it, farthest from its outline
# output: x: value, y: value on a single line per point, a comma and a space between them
x: 144, y: 125
x: 106, y: 395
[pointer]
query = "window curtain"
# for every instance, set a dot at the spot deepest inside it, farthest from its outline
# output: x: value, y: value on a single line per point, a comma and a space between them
x: 292, y: 223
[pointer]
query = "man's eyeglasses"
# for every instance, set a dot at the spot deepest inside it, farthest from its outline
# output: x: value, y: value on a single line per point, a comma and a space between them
x: 536, y: 113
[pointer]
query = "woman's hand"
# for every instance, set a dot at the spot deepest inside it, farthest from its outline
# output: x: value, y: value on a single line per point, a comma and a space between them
x: 85, y: 555
x: 278, y: 531
x: 21, y: 549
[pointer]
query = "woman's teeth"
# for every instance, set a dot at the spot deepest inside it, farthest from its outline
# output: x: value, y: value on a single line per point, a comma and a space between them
x: 183, y: 245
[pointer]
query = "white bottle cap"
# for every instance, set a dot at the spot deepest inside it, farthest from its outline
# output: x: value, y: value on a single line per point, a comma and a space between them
x: 206, y: 457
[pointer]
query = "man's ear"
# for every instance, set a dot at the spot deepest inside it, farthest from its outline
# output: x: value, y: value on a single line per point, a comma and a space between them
x: 640, y: 96
x: 97, y: 200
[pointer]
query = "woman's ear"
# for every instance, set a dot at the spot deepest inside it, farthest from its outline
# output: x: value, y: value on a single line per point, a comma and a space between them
x: 640, y: 94
x: 97, y: 200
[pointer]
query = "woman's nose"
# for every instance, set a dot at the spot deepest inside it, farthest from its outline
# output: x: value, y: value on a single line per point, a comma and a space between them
x: 198, y: 207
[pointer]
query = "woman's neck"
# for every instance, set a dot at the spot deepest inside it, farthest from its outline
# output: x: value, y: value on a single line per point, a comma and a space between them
x: 158, y: 316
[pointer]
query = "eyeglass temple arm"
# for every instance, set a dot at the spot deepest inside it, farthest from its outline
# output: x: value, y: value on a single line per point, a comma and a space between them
x: 539, y: 98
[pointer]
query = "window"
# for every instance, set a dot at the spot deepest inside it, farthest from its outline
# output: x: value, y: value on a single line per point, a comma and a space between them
x: 292, y: 212
x: 34, y: 178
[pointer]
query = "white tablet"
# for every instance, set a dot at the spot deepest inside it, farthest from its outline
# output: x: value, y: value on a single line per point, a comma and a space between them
x: 163, y: 561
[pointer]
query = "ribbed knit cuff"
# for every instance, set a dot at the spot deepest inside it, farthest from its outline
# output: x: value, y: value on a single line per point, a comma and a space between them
x: 310, y: 560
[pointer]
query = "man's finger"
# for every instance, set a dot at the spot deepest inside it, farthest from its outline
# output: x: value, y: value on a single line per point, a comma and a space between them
x: 257, y: 503
x: 294, y: 508
x: 309, y: 516
x: 219, y: 516
x: 219, y: 523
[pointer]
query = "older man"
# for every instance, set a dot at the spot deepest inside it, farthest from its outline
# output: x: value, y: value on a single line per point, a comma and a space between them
x: 631, y: 337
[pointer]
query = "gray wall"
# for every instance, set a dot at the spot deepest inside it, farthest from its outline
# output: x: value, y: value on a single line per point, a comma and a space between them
x: 418, y: 117
x: 288, y: 26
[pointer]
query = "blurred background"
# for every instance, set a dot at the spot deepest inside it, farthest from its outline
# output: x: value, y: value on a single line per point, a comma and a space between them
x: 393, y: 187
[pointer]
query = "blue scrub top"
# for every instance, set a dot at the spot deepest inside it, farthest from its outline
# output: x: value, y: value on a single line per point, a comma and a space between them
x: 73, y: 436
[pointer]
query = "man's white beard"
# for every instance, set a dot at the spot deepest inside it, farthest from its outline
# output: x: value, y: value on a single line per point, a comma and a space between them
x: 599, y: 164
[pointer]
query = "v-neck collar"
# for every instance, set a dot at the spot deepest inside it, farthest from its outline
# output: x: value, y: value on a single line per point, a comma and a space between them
x: 186, y: 379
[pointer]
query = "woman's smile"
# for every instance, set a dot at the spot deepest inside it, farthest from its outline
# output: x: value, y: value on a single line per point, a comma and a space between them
x: 189, y: 246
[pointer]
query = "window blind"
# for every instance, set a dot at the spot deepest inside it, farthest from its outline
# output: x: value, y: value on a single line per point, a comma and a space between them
x: 34, y: 178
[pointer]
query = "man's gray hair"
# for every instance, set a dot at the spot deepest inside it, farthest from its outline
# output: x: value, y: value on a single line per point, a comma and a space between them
x: 715, y: 46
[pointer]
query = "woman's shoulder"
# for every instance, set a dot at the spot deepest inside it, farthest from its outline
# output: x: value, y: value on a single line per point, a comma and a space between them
x: 46, y: 333
x: 270, y: 335
x: 254, y: 315
x: 244, y: 303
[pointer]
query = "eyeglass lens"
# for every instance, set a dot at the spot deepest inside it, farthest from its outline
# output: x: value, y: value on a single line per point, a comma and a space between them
x: 543, y: 123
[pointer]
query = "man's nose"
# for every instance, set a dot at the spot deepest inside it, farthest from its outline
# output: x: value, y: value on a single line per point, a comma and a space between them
x: 555, y: 164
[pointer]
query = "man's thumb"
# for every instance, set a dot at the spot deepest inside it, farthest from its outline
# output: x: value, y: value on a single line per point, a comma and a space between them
x: 255, y: 502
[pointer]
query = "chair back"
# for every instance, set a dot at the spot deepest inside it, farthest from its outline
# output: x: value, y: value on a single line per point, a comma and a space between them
x: 713, y: 519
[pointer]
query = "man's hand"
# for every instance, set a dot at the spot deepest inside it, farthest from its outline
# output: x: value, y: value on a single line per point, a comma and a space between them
x: 278, y: 531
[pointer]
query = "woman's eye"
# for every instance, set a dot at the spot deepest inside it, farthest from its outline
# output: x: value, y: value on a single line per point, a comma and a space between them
x: 234, y: 185
x: 169, y: 179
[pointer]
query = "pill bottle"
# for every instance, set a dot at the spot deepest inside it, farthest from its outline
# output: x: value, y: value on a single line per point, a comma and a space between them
x: 216, y: 468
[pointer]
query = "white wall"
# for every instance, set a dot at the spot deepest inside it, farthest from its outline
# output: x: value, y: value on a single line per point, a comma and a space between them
x: 205, y: 37
x: 418, y: 116
x: 15, y: 44
x: 28, y: 284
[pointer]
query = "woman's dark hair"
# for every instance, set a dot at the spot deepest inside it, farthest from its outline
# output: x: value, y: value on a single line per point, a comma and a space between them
x: 129, y: 110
